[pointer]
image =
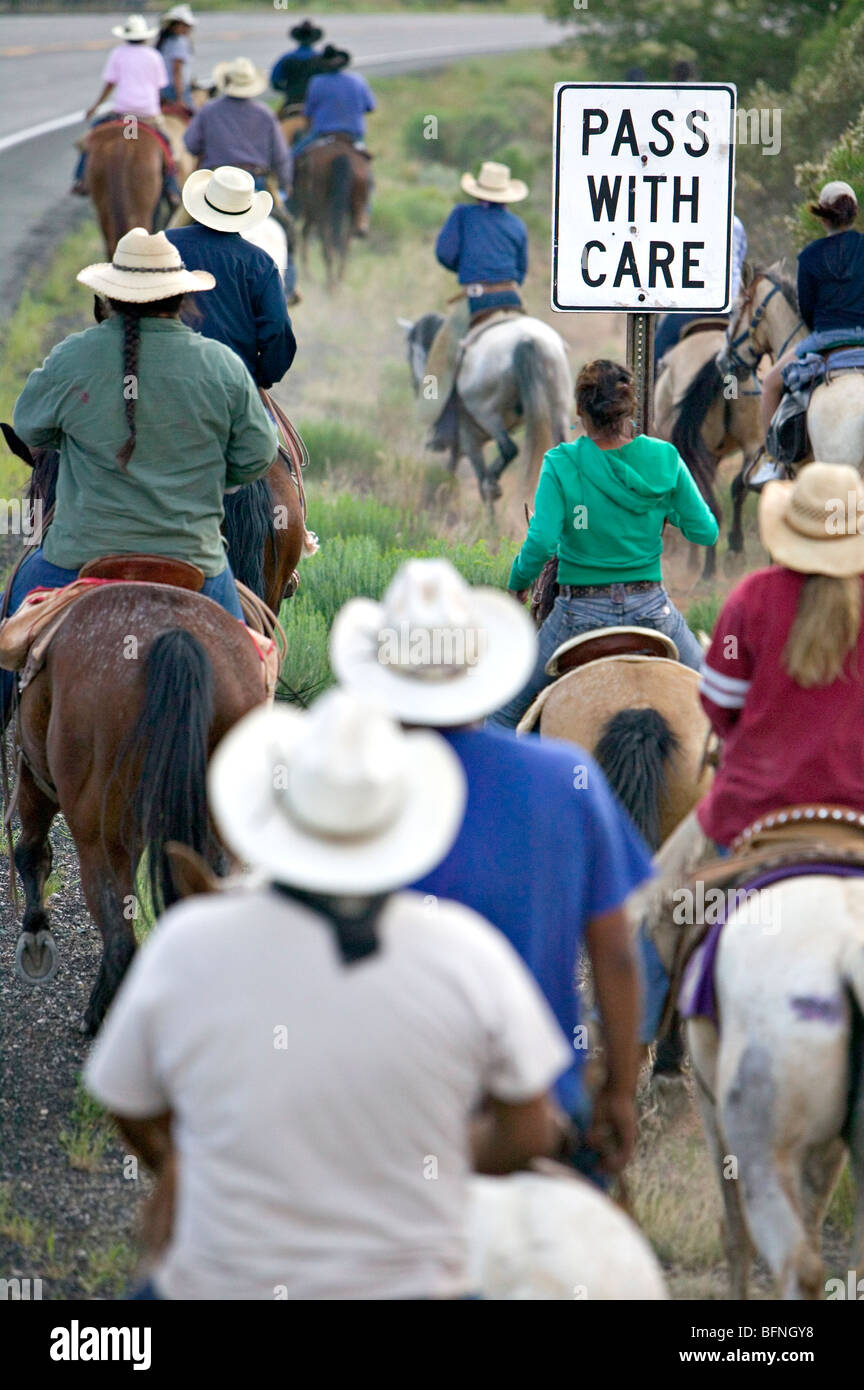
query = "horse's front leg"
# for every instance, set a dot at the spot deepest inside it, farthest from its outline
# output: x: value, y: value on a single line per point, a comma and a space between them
x: 739, y: 494
x: 35, y: 953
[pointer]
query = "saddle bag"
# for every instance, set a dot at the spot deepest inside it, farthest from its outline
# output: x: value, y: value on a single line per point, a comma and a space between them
x: 787, y: 440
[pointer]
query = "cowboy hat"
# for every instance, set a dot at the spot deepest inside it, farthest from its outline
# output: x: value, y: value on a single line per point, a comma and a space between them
x: 135, y: 28
x: 335, y: 57
x: 832, y: 192
x: 338, y: 799
x: 434, y: 651
x: 814, y: 524
x: 225, y: 199
x: 494, y: 184
x: 239, y: 78
x: 144, y: 268
x: 179, y: 13
x: 306, y: 32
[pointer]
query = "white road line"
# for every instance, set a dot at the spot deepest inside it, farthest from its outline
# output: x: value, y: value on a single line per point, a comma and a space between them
x: 33, y: 132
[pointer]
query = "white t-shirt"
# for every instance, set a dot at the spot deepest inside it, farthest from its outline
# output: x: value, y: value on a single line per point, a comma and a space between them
x: 321, y: 1110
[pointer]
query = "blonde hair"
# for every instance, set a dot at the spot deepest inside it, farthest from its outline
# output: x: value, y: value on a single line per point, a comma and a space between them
x: 825, y: 629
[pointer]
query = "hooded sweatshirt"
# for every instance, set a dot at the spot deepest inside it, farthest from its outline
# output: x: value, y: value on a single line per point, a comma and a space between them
x: 602, y: 512
x: 831, y: 282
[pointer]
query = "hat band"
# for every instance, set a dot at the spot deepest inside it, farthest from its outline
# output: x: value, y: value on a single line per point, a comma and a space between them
x: 223, y: 212
x: 148, y: 269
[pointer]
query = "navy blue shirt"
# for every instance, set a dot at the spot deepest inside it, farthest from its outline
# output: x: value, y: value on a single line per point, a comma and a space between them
x: 544, y: 848
x: 483, y: 242
x: 247, y: 309
x: 831, y: 282
x: 293, y: 71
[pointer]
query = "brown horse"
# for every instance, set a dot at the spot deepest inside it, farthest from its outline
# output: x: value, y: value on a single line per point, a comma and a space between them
x: 124, y: 178
x: 332, y: 183
x: 138, y: 686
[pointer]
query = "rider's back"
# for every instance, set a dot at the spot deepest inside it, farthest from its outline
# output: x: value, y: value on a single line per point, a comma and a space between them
x: 831, y: 282
x: 338, y: 101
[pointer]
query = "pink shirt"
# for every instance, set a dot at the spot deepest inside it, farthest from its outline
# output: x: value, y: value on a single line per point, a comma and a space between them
x: 138, y: 73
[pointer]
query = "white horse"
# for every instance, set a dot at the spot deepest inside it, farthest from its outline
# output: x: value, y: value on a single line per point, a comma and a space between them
x: 765, y: 319
x: 515, y: 372
x: 781, y: 1087
x: 270, y: 236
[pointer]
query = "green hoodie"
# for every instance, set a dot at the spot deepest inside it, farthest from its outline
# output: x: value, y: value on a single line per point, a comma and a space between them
x: 602, y: 511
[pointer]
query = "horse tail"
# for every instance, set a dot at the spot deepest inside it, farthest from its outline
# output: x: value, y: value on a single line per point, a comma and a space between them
x: 633, y: 750
x: 531, y: 381
x: 171, y: 739
x: 250, y: 532
x: 687, y: 430
x: 341, y: 179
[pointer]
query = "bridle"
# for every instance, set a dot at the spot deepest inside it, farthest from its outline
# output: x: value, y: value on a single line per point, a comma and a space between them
x: 732, y: 356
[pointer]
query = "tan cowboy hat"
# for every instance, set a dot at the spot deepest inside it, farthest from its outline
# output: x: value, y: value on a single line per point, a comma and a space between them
x: 135, y: 27
x: 336, y: 800
x: 225, y: 199
x: 178, y: 13
x: 144, y: 268
x: 494, y: 184
x: 239, y: 78
x: 814, y: 524
x: 434, y: 651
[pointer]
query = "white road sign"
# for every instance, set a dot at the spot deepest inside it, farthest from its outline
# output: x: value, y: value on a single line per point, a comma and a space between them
x: 644, y: 178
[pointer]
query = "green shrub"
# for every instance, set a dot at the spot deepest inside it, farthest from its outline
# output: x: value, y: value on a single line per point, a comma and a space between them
x: 703, y: 614
x: 334, y: 445
x: 348, y: 515
x: 400, y: 213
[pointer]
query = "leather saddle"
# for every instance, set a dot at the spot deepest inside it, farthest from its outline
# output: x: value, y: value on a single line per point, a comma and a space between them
x: 609, y: 641
x: 145, y: 569
x: 716, y: 324
x: 813, y: 834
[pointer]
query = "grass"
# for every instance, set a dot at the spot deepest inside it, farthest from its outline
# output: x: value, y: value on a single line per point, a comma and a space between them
x: 88, y: 1134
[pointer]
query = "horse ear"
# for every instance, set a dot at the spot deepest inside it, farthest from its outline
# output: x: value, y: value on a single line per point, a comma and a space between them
x: 15, y: 445
x: 191, y: 873
x: 407, y: 324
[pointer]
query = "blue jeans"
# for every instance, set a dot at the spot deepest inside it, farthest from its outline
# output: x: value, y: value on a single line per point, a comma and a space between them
x: 37, y: 572
x: 646, y: 608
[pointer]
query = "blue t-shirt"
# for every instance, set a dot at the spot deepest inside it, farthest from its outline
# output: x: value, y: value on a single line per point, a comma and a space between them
x: 338, y: 101
x: 831, y: 282
x: 483, y: 242
x: 544, y: 848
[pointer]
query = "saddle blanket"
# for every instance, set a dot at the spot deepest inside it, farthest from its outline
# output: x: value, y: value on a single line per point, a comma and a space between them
x: 813, y: 367
x: 697, y: 997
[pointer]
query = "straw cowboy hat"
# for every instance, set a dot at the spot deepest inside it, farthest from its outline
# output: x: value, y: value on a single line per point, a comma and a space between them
x: 144, y: 268
x: 434, y: 651
x: 338, y: 799
x: 225, y: 199
x: 307, y: 32
x: 135, y: 27
x: 814, y: 524
x: 180, y: 13
x: 494, y: 184
x: 239, y: 78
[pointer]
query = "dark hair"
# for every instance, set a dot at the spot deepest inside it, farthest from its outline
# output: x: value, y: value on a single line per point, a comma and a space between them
x: 132, y: 315
x: 605, y: 393
x: 841, y: 213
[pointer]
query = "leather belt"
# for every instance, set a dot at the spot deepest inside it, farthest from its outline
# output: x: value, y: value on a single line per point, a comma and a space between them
x: 636, y: 586
x: 478, y: 289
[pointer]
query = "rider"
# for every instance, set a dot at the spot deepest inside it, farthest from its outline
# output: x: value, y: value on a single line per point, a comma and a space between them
x: 337, y: 102
x: 487, y: 246
x: 601, y: 505
x: 153, y: 422
x: 294, y: 70
x: 134, y: 73
x: 830, y: 288
x: 173, y: 43
x: 247, y: 308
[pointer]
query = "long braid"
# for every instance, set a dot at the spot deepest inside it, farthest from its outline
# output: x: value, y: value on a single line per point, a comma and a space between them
x: 131, y: 342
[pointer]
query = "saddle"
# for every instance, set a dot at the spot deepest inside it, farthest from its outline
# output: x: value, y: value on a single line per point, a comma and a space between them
x: 609, y: 641
x: 717, y: 323
x: 338, y: 137
x: 118, y: 123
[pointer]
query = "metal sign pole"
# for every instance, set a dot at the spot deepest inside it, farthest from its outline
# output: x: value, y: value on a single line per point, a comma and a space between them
x: 640, y: 361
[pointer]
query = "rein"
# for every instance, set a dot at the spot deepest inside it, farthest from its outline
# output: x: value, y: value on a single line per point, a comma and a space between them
x: 733, y: 357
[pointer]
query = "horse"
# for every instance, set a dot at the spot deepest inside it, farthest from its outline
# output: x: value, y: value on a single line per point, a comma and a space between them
x: 766, y: 321
x: 332, y: 183
x: 270, y: 236
x: 264, y: 525
x: 515, y: 372
x: 696, y: 412
x: 115, y: 731
x: 124, y: 178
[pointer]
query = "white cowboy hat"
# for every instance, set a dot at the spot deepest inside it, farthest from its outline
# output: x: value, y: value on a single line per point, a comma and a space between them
x: 336, y: 800
x: 135, y: 27
x: 812, y: 525
x: 183, y: 13
x: 239, y: 78
x: 144, y: 268
x: 494, y: 184
x: 434, y: 651
x: 225, y: 199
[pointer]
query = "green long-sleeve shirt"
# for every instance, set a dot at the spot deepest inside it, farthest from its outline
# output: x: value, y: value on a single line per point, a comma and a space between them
x: 602, y: 512
x: 200, y: 428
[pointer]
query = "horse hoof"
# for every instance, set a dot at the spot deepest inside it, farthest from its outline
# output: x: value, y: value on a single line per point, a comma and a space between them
x: 35, y: 957
x: 490, y: 489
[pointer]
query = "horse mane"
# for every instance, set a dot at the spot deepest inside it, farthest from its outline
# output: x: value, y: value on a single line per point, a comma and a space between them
x: 43, y: 479
x: 687, y: 430
x: 250, y: 529
x: 776, y: 273
x: 425, y: 330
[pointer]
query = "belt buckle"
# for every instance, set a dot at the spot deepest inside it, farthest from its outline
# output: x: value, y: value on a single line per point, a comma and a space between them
x: 474, y: 291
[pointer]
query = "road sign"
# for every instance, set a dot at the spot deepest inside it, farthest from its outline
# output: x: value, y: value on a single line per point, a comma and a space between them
x: 644, y: 178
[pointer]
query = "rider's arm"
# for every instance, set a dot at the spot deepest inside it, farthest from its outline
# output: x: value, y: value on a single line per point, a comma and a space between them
x: 103, y: 96
x: 177, y: 78
x: 808, y: 287
x: 689, y: 511
x: 194, y: 136
x: 609, y: 940
x: 522, y: 257
x: 280, y: 157
x: 448, y: 247
x: 370, y: 103
x: 544, y: 531
x: 506, y: 1137
x: 273, y: 333
x: 728, y: 666
x: 37, y: 411
x: 251, y: 446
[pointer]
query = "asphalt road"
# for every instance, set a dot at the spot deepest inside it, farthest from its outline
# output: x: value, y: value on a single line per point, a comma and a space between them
x: 50, y: 69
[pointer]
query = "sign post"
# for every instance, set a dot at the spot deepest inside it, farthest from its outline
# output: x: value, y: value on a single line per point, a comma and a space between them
x: 644, y: 177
